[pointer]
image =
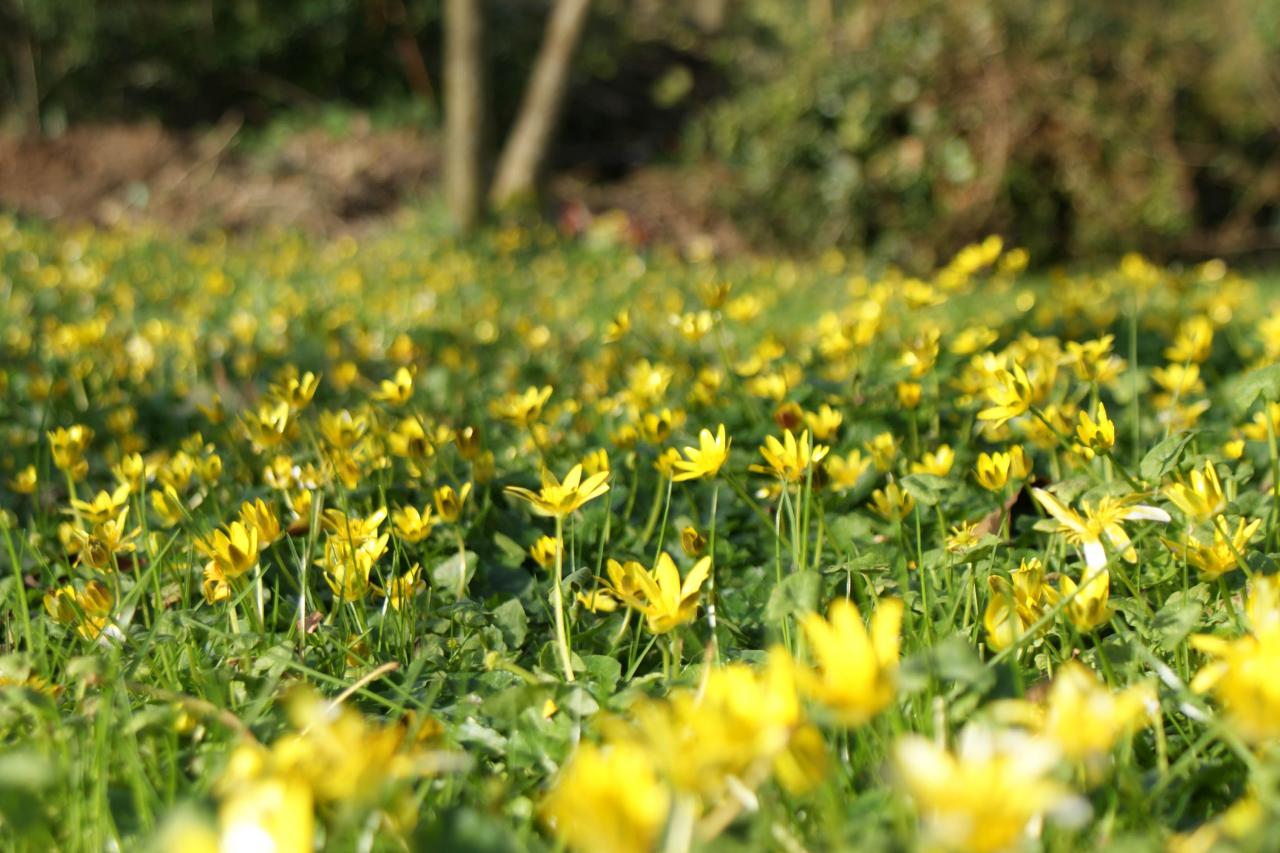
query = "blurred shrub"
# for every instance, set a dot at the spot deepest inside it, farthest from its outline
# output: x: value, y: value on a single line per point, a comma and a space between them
x: 1072, y: 126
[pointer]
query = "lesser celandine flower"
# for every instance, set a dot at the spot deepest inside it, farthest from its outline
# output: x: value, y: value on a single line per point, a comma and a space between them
x: 988, y: 795
x: 909, y: 394
x: 557, y: 498
x: 992, y: 470
x: 88, y: 609
x: 883, y: 448
x: 1086, y: 719
x: 1222, y: 555
x: 1241, y: 672
x: 938, y: 463
x: 263, y: 519
x: 660, y: 595
x: 1096, y: 436
x: 522, y: 409
x: 608, y: 799
x: 104, y: 505
x: 1200, y: 496
x: 1099, y: 519
x: 68, y: 447
x: 789, y: 459
x: 856, y: 670
x: 892, y: 503
x: 1010, y: 395
x: 1016, y: 606
x: 692, y: 542
x: 24, y: 482
x: 706, y: 459
x: 824, y: 423
x: 844, y: 472
x: 544, y: 551
x: 398, y: 390
x: 412, y: 524
x: 234, y: 549
x: 449, y: 503
x: 1087, y: 605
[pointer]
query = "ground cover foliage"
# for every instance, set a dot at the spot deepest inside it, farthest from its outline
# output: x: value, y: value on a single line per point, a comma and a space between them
x: 400, y: 544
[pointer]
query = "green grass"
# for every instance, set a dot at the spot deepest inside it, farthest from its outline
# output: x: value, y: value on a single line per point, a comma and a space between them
x: 459, y: 721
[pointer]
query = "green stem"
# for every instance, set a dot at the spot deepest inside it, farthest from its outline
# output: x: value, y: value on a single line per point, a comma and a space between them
x: 562, y: 638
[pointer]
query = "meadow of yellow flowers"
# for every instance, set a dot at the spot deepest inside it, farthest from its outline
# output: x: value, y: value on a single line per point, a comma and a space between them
x: 397, y: 543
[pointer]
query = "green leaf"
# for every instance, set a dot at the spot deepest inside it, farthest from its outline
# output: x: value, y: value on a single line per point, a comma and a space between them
x: 1179, y: 616
x: 927, y: 489
x: 1164, y: 456
x: 1265, y: 381
x: 509, y: 551
x: 445, y: 575
x: 798, y: 593
x: 512, y: 621
x: 603, y: 671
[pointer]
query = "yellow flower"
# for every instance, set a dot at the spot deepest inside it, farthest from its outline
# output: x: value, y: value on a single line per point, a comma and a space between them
x: 704, y: 460
x: 558, y: 499
x: 608, y: 800
x: 1015, y: 607
x: 104, y: 505
x: 296, y: 391
x: 823, y: 423
x: 412, y: 524
x: 665, y: 601
x: 342, y: 429
x: 1241, y: 672
x: 263, y: 520
x: 617, y: 328
x: 665, y: 463
x: 24, y: 482
x: 1194, y: 342
x: 1213, y: 561
x: 543, y: 551
x: 692, y: 542
x: 132, y: 471
x: 909, y: 394
x: 986, y: 795
x: 449, y: 503
x: 68, y: 447
x: 100, y: 546
x: 883, y: 449
x: 1085, y: 719
x: 400, y: 589
x: 1200, y: 497
x: 398, y: 390
x: 273, y: 813
x: 1092, y: 360
x: 992, y: 470
x: 1104, y: 518
x: 1087, y: 606
x: 789, y: 459
x: 89, y: 610
x: 168, y: 506
x: 596, y: 461
x: 1011, y: 395
x: 234, y: 549
x: 856, y: 670
x: 938, y: 463
x: 522, y: 409
x: 844, y: 472
x: 891, y: 503
x: 1098, y: 436
x: 348, y: 566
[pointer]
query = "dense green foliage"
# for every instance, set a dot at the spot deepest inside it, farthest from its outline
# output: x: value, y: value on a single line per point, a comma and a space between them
x: 275, y: 565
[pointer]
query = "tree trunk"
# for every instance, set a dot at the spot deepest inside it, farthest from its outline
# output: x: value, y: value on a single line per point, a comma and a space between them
x: 531, y: 134
x: 463, y: 109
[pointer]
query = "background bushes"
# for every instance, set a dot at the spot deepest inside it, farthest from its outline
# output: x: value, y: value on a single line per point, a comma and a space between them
x: 902, y: 128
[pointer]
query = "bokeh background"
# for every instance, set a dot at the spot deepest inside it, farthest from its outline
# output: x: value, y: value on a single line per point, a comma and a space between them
x: 894, y: 129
